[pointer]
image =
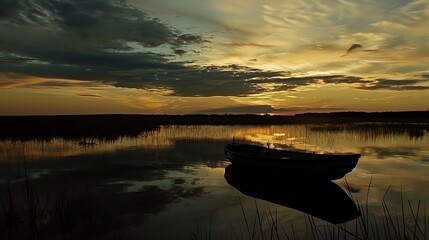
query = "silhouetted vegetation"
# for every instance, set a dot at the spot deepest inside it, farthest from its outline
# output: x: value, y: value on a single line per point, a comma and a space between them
x: 373, y: 130
x: 349, y: 117
x: 79, y: 128
x: 112, y: 127
x: 410, y: 222
x: 67, y: 214
x: 26, y: 212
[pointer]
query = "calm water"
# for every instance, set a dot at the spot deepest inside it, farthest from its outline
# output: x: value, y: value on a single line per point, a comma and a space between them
x: 170, y: 184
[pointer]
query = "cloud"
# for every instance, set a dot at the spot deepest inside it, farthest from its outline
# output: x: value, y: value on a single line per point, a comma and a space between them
x: 115, y: 43
x: 111, y: 22
x: 246, y: 109
x: 292, y: 83
x: 352, y: 48
x: 66, y: 32
x: 179, y: 52
x: 425, y: 75
x: 8, y: 8
x: 202, y: 81
x: 259, y: 109
x: 398, y: 85
x: 89, y: 95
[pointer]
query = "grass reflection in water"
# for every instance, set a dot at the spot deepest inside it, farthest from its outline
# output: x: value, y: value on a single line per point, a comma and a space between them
x: 134, y: 185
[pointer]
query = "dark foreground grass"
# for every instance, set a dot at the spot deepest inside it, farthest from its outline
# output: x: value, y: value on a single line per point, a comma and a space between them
x: 24, y: 214
x: 408, y: 222
x: 66, y: 215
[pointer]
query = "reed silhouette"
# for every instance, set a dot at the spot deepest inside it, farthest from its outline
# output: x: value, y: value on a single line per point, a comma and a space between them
x: 111, y: 127
x: 374, y: 130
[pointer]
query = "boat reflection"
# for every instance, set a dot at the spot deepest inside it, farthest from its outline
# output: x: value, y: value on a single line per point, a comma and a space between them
x: 322, y: 199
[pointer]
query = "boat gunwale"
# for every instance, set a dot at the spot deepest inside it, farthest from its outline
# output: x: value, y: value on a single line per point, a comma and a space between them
x: 302, y: 153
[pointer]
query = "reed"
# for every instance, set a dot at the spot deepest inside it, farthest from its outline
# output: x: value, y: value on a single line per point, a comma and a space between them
x: 21, y: 218
x: 409, y: 222
x: 112, y: 127
x: 9, y: 219
x: 63, y: 215
x: 66, y: 215
x: 375, y: 130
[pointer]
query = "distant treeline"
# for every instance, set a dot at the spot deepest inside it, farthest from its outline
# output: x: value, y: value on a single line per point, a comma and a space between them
x: 100, y: 127
x: 111, y: 127
x: 362, y: 116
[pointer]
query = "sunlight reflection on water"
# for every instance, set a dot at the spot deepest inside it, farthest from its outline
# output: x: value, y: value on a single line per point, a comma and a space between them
x: 181, y: 168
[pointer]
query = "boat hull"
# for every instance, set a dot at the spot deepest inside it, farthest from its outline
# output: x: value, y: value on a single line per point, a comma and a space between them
x: 291, y: 163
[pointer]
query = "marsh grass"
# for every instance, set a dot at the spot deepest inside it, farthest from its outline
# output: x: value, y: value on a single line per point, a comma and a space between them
x: 404, y: 223
x: 374, y: 130
x: 62, y: 215
x: 67, y: 215
x: 408, y: 222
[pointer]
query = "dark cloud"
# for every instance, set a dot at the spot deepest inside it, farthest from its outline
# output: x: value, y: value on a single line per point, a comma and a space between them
x: 8, y: 8
x: 87, y: 26
x: 425, y: 75
x: 241, y: 109
x: 89, y: 95
x: 258, y: 109
x: 93, y: 40
x: 229, y: 80
x: 111, y: 22
x: 352, y: 48
x: 355, y: 46
x: 83, y: 27
x: 304, y: 109
x: 179, y: 52
x: 394, y: 85
x: 188, y: 39
x: 112, y: 42
x: 290, y: 83
x: 83, y: 39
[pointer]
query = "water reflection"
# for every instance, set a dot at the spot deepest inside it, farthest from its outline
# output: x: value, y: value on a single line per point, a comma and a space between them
x: 316, y: 138
x: 177, y: 172
x: 324, y: 199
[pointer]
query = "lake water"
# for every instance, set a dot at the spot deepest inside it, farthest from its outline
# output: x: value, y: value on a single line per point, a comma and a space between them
x: 170, y: 184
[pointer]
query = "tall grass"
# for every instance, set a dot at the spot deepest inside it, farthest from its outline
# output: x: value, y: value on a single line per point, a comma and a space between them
x: 24, y: 215
x: 376, y: 130
x: 64, y: 215
x: 391, y: 224
x: 408, y: 222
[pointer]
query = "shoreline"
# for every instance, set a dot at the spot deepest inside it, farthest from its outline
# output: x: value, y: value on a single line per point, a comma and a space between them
x: 226, y: 119
x: 111, y: 127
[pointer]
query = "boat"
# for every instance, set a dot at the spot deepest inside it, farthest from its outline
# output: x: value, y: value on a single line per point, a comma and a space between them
x: 322, y: 199
x: 292, y: 163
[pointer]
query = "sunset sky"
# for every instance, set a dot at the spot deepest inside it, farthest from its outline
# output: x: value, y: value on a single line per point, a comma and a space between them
x: 213, y: 56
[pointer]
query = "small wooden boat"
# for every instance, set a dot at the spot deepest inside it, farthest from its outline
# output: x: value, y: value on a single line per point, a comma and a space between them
x: 293, y: 164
